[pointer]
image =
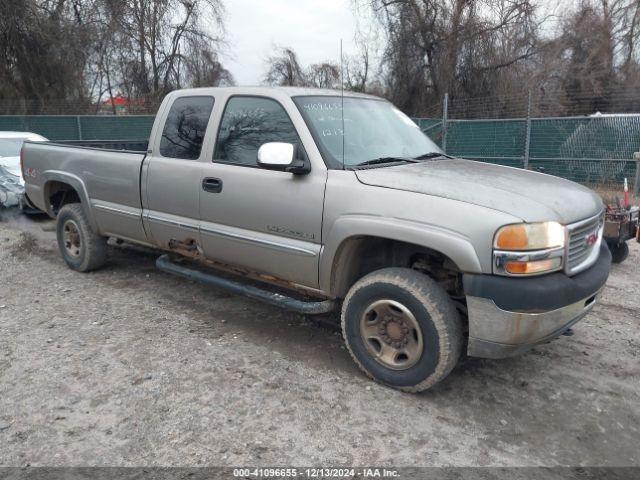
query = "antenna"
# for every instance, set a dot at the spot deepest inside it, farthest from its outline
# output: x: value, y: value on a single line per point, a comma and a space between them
x: 342, y: 99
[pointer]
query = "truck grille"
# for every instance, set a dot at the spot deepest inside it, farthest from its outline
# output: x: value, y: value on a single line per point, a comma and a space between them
x: 581, y: 254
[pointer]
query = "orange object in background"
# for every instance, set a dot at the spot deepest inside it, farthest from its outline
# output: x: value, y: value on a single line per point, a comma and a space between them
x: 626, y: 193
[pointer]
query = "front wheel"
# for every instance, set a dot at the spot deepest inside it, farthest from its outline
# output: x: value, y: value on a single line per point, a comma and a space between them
x: 81, y: 248
x: 402, y: 329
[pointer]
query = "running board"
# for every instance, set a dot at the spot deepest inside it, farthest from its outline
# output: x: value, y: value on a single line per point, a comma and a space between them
x: 310, y: 308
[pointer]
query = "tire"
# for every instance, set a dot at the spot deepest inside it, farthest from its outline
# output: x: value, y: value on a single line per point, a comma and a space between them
x: 81, y: 248
x: 387, y: 315
x: 619, y: 252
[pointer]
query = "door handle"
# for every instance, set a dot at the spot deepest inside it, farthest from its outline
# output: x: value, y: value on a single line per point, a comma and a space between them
x: 212, y: 185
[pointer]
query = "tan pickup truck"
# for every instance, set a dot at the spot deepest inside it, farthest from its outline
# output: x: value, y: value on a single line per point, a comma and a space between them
x: 338, y: 202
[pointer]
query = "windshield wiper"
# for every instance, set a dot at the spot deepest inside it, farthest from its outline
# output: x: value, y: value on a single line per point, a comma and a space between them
x: 382, y: 160
x: 431, y: 155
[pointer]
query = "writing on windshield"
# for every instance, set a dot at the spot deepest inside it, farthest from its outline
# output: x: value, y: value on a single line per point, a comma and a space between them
x: 370, y: 129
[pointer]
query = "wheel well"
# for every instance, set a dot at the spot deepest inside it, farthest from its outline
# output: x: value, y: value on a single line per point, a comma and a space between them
x: 359, y: 256
x: 60, y: 194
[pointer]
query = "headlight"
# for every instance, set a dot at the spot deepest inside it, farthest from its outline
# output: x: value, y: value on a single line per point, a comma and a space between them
x: 529, y: 248
x: 530, y: 236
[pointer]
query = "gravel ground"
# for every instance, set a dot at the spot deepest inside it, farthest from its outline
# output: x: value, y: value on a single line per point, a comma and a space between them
x: 129, y: 366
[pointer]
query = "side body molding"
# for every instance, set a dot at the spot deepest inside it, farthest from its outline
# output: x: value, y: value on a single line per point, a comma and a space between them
x: 452, y: 244
x: 79, y: 186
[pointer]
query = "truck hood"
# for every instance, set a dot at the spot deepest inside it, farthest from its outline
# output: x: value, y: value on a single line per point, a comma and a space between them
x: 530, y: 196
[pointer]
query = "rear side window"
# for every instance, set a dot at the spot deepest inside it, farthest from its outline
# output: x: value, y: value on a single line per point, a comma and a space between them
x: 248, y: 123
x: 185, y: 127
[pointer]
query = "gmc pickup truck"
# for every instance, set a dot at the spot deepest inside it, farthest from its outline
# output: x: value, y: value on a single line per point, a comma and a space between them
x: 313, y: 201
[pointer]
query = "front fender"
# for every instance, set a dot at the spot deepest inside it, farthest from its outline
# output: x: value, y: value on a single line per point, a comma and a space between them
x: 452, y: 244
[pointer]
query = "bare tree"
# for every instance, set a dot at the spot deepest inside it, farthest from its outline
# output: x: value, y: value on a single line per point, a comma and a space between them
x: 456, y: 46
x: 43, y: 54
x: 154, y: 37
x: 323, y: 75
x: 203, y: 67
x: 283, y: 68
x: 589, y: 46
x: 73, y: 52
x: 592, y: 64
x: 357, y: 70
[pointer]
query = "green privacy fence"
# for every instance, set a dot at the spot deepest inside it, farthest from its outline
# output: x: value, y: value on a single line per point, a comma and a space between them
x: 591, y: 150
x: 595, y: 150
x: 81, y: 127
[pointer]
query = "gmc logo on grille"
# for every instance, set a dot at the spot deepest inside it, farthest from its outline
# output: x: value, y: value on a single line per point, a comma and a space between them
x: 591, y: 239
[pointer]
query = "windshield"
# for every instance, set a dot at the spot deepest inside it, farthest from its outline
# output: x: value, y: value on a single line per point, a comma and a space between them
x: 10, y: 147
x: 373, y: 129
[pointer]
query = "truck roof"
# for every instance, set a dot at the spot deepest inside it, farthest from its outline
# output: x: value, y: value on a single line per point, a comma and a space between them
x: 269, y: 90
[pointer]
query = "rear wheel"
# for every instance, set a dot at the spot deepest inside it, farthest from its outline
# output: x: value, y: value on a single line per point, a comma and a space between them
x: 402, y: 329
x: 81, y: 248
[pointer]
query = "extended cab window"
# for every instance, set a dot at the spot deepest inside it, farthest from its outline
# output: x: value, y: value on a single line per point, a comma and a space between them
x: 185, y: 127
x: 248, y: 123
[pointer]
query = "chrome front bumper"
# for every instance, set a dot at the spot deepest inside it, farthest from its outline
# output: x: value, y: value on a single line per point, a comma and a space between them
x: 507, y: 316
x: 497, y: 333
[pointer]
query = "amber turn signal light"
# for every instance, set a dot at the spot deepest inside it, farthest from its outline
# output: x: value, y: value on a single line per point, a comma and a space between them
x: 536, y: 266
x: 512, y: 238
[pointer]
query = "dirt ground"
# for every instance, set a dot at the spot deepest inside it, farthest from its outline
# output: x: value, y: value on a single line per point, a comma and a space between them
x: 129, y: 366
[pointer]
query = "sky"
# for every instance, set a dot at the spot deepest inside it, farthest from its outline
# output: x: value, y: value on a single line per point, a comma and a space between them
x: 313, y: 28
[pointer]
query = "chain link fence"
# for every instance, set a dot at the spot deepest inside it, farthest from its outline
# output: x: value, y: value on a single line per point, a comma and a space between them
x: 581, y: 138
x: 81, y: 127
x: 596, y: 149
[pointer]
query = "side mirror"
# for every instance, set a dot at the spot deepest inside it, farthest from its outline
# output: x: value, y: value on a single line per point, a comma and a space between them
x: 282, y: 156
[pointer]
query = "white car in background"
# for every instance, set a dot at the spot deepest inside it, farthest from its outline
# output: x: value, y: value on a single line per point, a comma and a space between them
x: 11, y: 180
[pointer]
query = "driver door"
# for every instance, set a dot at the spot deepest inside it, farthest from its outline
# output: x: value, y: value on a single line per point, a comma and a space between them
x: 264, y: 220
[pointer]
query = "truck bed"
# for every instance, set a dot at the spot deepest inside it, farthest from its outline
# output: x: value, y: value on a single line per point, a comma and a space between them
x: 108, y: 179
